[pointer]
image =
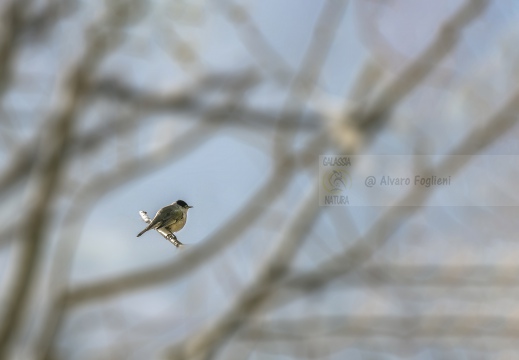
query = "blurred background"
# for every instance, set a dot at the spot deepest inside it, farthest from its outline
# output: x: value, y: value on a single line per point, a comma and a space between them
x: 112, y: 107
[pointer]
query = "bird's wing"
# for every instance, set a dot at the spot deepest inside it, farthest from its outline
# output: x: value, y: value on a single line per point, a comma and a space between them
x: 158, y: 219
x: 168, y: 215
x: 176, y: 215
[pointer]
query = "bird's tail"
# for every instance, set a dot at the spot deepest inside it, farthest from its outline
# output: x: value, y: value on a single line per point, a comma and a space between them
x: 143, y: 231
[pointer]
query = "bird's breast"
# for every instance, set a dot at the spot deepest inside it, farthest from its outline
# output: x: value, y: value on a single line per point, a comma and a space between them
x: 175, y: 226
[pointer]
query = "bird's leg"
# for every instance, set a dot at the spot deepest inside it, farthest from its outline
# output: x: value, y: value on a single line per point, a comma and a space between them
x: 173, y: 239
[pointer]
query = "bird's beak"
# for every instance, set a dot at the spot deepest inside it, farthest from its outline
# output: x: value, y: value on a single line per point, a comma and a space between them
x: 190, y: 207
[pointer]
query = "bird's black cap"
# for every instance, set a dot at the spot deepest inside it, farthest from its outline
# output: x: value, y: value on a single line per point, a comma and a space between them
x: 183, y: 204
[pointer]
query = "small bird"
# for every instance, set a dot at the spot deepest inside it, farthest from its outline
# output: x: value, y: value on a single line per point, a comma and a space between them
x: 172, y: 217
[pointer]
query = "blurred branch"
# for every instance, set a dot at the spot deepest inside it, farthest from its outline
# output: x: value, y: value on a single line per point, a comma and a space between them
x: 19, y: 165
x: 187, y: 100
x: 48, y: 173
x: 404, y: 327
x: 208, y: 341
x: 382, y: 230
x: 72, y: 194
x: 21, y: 162
x: 366, y: 81
x: 307, y: 75
x: 305, y: 81
x: 83, y: 202
x: 126, y: 171
x: 397, y: 348
x: 191, y: 100
x: 39, y: 24
x: 188, y: 96
x: 205, y: 344
x: 197, y: 255
x: 229, y: 324
x: 181, y: 50
x: 12, y: 26
x: 500, y: 123
x: 329, y: 335
x: 256, y: 43
x: 434, y: 276
x: 169, y: 272
x: 369, y: 115
x: 16, y: 23
x: 448, y: 35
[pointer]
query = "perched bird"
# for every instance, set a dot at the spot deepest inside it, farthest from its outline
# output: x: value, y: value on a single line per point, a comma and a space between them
x: 172, y: 217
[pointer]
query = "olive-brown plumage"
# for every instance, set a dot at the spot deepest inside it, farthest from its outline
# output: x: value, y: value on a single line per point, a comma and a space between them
x: 172, y: 217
